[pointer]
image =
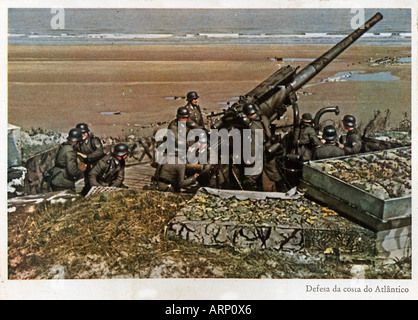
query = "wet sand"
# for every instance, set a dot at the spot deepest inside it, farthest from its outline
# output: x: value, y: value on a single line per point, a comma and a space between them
x: 56, y: 87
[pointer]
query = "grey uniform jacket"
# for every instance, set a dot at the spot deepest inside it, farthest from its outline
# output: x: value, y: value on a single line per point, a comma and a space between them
x: 327, y: 150
x: 353, y: 142
x: 66, y: 172
x: 308, y: 141
x: 108, y: 172
x: 174, y: 175
x: 196, y: 117
x: 92, y: 147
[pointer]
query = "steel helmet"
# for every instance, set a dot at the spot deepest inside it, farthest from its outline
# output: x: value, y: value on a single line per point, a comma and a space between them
x: 307, y: 117
x: 74, y: 135
x: 183, y: 112
x: 83, y: 126
x: 120, y: 150
x: 349, y: 121
x: 249, y: 109
x: 329, y: 133
x: 192, y: 95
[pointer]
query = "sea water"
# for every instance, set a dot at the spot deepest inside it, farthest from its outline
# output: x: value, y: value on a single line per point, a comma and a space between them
x: 204, y: 26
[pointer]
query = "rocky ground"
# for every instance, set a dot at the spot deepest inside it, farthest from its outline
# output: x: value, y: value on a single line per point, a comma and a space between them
x: 123, y: 235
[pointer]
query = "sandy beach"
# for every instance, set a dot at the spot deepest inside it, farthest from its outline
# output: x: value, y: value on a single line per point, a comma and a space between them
x: 56, y: 87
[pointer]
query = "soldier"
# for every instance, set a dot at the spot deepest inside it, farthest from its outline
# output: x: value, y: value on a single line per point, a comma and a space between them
x: 254, y: 182
x: 91, y: 150
x: 66, y: 170
x: 353, y: 141
x: 329, y: 149
x: 183, y: 116
x: 171, y: 176
x: 196, y: 117
x: 110, y: 170
x: 198, y: 152
x: 308, y: 139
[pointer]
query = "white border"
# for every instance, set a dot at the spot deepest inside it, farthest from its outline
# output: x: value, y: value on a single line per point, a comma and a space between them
x: 200, y: 289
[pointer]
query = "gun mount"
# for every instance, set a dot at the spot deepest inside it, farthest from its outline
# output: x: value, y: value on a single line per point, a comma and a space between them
x: 276, y: 93
x: 271, y: 99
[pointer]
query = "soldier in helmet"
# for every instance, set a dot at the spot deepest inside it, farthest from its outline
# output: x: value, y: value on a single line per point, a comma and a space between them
x: 91, y: 149
x: 256, y: 122
x: 66, y: 171
x: 110, y: 170
x: 353, y: 141
x: 308, y: 139
x: 171, y: 176
x: 183, y: 121
x: 329, y: 149
x: 196, y: 119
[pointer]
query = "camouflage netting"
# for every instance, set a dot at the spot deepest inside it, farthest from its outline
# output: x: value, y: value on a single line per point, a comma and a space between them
x: 39, y: 140
x: 385, y: 174
x: 123, y: 235
x: 291, y: 224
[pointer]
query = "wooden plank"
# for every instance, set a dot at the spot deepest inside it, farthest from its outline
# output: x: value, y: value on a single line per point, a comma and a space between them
x: 138, y: 175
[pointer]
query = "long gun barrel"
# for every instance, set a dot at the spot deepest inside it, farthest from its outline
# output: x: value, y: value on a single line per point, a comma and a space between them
x: 277, y: 92
x: 311, y: 70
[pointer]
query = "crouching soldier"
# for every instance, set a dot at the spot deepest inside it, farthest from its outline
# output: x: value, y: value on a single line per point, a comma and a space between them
x: 67, y: 170
x: 171, y: 176
x: 91, y: 149
x: 110, y: 170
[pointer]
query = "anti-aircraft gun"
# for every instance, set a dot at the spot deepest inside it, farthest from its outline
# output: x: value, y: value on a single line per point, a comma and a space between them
x: 274, y: 95
x: 278, y: 92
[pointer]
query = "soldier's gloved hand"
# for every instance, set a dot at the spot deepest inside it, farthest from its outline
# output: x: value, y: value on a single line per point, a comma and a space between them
x: 82, y: 155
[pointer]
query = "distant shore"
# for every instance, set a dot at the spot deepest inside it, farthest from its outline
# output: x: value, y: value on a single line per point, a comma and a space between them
x: 119, y: 90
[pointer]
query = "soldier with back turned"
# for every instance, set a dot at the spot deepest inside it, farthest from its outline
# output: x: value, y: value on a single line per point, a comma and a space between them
x: 171, y: 175
x: 329, y: 149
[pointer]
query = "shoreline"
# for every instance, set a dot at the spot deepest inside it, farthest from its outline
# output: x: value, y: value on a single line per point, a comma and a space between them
x: 56, y: 86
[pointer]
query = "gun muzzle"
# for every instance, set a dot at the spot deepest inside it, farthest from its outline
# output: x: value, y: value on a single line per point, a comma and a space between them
x: 312, y: 69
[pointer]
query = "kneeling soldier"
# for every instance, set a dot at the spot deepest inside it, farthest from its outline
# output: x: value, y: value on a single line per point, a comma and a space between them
x: 110, y: 170
x: 66, y: 170
x: 91, y: 149
x: 172, y: 176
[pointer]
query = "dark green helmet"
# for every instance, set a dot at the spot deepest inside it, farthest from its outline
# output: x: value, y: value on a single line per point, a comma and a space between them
x: 307, y: 117
x: 249, y: 109
x: 83, y: 126
x: 192, y: 95
x: 120, y: 150
x: 183, y: 112
x: 75, y: 135
x: 349, y: 121
x: 329, y: 133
